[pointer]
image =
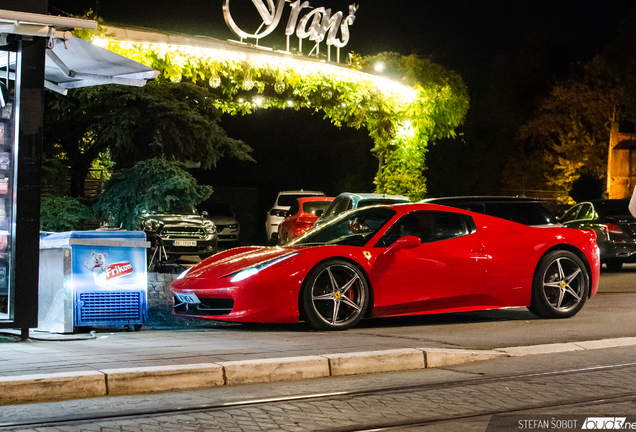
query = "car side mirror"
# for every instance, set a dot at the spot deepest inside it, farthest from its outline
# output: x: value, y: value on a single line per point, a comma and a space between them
x: 406, y: 242
x: 204, y: 213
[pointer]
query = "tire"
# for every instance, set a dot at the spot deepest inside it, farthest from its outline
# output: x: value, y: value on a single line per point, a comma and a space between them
x: 614, y: 265
x: 335, y: 296
x: 560, y: 285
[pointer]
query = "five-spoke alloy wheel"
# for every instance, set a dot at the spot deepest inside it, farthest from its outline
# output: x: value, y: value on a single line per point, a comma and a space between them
x: 560, y: 286
x: 335, y: 295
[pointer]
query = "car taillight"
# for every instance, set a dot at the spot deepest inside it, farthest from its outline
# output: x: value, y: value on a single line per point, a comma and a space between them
x: 303, y: 223
x: 278, y: 212
x: 613, y: 229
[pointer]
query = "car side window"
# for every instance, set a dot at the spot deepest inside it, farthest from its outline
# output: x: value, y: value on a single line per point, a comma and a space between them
x: 342, y: 206
x: 429, y: 226
x: 571, y: 214
x: 293, y: 209
x: 586, y: 212
x: 331, y: 211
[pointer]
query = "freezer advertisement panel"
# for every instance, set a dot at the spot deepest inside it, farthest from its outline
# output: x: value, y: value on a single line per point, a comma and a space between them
x: 109, y: 268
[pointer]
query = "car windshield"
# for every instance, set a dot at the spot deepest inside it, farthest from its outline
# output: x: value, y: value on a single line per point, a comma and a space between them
x: 355, y: 228
x: 185, y: 209
x: 287, y: 200
x: 218, y: 209
x: 314, y: 206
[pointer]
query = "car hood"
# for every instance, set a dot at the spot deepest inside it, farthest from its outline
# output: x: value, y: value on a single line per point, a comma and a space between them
x: 172, y: 219
x: 235, y: 260
x: 222, y: 220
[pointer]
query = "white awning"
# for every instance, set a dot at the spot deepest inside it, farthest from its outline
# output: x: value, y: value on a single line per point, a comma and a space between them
x: 70, y: 62
x: 77, y: 63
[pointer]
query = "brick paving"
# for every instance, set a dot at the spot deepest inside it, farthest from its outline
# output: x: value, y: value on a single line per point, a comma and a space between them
x: 427, y: 403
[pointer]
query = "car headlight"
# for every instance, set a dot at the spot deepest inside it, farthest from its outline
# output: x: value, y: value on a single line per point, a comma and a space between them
x: 251, y: 271
x: 209, y: 226
x: 151, y: 225
x: 182, y: 275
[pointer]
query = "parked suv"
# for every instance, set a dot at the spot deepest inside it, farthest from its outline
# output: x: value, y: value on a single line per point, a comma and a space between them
x: 182, y: 231
x: 279, y: 210
x: 227, y: 225
x: 615, y: 228
x: 527, y: 211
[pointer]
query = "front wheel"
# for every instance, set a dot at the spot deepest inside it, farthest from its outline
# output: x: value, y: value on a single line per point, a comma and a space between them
x: 335, y: 296
x: 560, y: 286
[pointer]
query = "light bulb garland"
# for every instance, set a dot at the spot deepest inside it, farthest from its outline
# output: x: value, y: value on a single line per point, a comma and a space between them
x: 347, y: 96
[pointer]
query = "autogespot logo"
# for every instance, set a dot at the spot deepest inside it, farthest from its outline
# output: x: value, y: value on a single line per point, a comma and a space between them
x: 607, y: 423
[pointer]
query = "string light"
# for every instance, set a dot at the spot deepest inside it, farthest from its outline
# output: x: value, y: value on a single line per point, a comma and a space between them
x: 215, y: 81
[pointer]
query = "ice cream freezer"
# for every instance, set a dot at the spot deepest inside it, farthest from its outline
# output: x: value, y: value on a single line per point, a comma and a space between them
x: 92, y: 278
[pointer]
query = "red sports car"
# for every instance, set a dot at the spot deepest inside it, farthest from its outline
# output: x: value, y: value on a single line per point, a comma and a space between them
x: 403, y: 259
x: 303, y: 213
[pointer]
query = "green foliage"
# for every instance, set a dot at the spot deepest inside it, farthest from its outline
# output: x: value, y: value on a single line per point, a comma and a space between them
x: 63, y: 213
x: 123, y: 125
x: 102, y: 167
x: 54, y: 175
x: 154, y: 185
x: 401, y: 138
x: 569, y: 134
x: 440, y: 104
x: 87, y: 34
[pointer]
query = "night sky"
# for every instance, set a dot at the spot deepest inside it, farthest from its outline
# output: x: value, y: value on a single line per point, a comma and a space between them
x: 463, y: 35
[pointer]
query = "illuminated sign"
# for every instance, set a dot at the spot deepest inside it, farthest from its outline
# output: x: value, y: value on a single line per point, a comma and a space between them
x: 315, y: 25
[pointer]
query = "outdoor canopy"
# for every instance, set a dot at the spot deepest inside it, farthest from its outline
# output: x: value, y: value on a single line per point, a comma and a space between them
x: 77, y: 63
x: 70, y: 62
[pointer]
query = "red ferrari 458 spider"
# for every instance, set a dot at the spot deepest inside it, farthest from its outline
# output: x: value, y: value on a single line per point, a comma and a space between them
x: 403, y: 259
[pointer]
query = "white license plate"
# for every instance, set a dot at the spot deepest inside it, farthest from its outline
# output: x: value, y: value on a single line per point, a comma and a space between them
x: 185, y: 242
x: 190, y: 298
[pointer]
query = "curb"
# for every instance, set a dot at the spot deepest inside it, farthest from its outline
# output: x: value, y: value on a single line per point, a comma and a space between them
x: 133, y: 381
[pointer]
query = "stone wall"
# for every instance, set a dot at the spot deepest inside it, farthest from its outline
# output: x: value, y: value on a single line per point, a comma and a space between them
x: 160, y: 304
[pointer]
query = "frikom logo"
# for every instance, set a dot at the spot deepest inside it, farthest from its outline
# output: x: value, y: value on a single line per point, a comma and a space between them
x: 118, y: 269
x: 604, y: 423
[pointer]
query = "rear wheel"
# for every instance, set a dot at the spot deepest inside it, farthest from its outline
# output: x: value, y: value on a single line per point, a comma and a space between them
x: 560, y: 286
x: 335, y: 296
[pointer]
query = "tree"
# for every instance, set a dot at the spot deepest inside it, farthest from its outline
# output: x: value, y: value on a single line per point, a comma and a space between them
x: 569, y: 134
x: 177, y: 121
x: 154, y: 185
x: 401, y: 139
x: 63, y: 213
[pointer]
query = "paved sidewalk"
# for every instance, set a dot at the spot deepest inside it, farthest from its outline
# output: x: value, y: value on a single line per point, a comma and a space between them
x: 57, y: 367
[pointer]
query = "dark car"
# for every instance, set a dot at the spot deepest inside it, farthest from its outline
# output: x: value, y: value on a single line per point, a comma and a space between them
x: 615, y: 228
x: 181, y: 231
x: 227, y: 225
x: 527, y: 211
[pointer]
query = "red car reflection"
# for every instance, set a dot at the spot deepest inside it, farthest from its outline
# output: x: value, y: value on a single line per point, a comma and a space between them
x: 396, y: 260
x: 302, y: 215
